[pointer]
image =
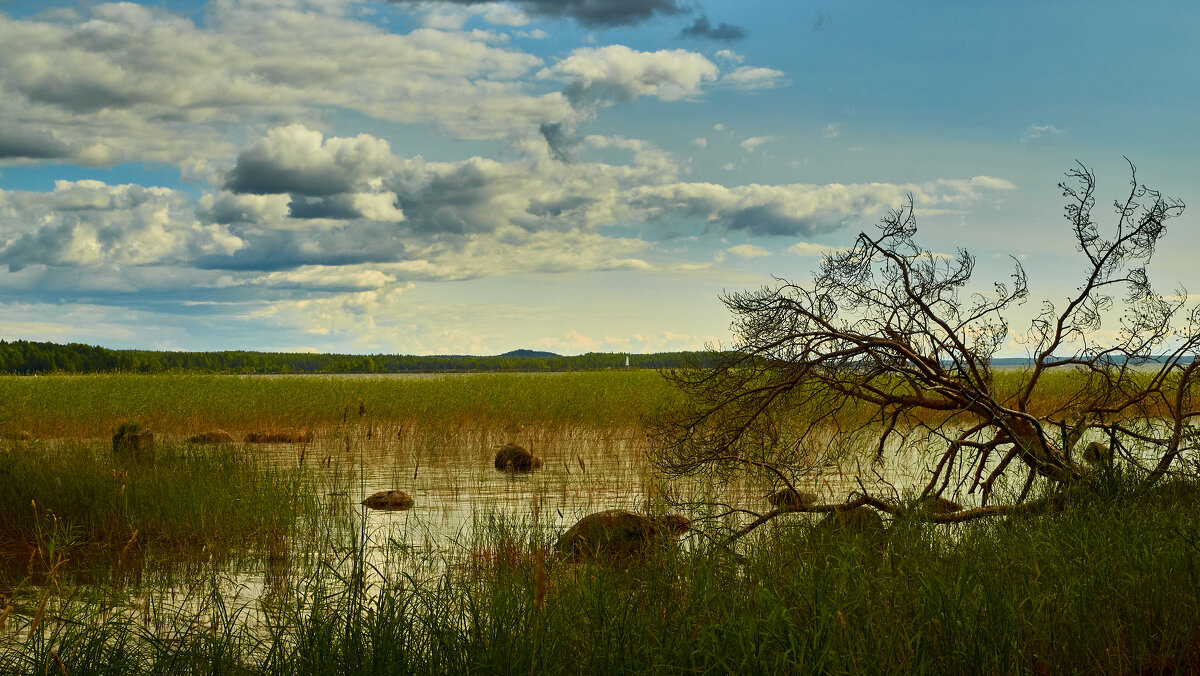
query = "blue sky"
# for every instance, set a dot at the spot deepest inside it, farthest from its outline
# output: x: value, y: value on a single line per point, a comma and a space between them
x: 467, y: 177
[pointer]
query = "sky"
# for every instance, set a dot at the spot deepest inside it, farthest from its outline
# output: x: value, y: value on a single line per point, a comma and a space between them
x: 463, y: 177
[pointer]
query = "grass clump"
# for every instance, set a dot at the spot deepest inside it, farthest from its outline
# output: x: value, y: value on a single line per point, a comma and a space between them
x: 84, y: 498
x: 1107, y: 586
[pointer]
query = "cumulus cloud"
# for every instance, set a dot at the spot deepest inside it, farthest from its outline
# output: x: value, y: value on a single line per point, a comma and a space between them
x: 591, y: 13
x: 750, y: 77
x: 559, y: 141
x: 450, y: 16
x: 298, y: 207
x: 813, y: 249
x: 90, y: 223
x: 797, y: 209
x: 614, y: 74
x: 326, y: 278
x: 296, y: 159
x: 123, y: 82
x: 703, y: 28
x: 748, y: 251
x: 38, y: 144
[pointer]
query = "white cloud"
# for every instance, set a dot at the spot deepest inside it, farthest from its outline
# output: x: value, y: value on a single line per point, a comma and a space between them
x: 614, y: 74
x: 1038, y: 131
x: 452, y: 17
x: 750, y: 77
x: 126, y: 82
x: 90, y: 223
x: 748, y: 251
x: 813, y: 249
x: 729, y: 55
x: 296, y: 159
x: 700, y: 142
x: 832, y: 130
x: 751, y: 144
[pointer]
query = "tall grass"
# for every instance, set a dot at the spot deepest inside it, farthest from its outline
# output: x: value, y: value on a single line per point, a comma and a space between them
x: 91, y: 406
x: 1110, y: 584
x: 81, y: 499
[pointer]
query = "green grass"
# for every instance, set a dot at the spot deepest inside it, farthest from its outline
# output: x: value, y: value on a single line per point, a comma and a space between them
x: 90, y: 406
x: 1109, y: 585
x: 80, y: 499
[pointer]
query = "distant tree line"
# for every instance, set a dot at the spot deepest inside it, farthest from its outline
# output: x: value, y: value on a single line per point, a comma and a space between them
x: 25, y: 357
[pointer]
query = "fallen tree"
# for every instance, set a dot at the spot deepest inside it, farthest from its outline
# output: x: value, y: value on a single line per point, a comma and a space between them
x: 890, y: 349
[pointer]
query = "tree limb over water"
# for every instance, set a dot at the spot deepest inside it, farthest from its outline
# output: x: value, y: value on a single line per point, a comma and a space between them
x: 889, y: 349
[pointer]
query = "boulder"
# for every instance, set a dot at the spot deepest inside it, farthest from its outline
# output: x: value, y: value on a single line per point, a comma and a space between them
x: 213, y: 436
x: 618, y: 533
x: 932, y: 505
x: 791, y: 498
x: 1098, y: 454
x: 514, y: 458
x: 133, y: 439
x: 389, y: 500
x: 284, y: 436
x: 861, y: 520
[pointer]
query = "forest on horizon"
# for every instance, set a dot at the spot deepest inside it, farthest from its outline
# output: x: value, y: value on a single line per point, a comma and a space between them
x: 28, y: 357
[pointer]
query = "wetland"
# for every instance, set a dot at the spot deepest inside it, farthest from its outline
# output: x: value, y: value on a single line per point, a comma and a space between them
x: 246, y: 556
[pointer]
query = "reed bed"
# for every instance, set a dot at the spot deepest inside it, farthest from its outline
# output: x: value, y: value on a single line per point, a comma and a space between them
x: 90, y: 406
x: 1109, y: 585
x: 256, y: 559
x: 80, y: 502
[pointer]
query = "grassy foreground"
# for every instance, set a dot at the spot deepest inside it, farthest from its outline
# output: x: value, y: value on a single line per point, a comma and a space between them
x: 1109, y: 585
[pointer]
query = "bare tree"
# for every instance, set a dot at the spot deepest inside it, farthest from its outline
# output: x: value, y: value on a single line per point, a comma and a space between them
x: 889, y: 349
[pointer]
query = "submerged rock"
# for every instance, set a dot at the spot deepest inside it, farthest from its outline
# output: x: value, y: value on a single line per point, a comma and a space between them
x: 1096, y: 453
x: 939, y: 505
x: 213, y: 436
x: 389, y: 500
x: 284, y: 436
x: 618, y: 533
x: 791, y: 498
x: 133, y: 439
x: 861, y: 520
x: 514, y: 458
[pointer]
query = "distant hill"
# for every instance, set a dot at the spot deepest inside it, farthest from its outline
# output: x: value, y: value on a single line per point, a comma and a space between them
x: 528, y: 354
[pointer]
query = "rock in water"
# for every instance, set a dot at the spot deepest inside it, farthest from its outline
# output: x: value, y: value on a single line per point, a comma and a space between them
x: 514, y: 458
x: 213, y: 436
x: 618, y: 533
x: 389, y: 500
x: 1098, y: 454
x: 133, y: 439
x: 939, y: 506
x: 284, y: 436
x: 792, y: 498
x: 861, y: 520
